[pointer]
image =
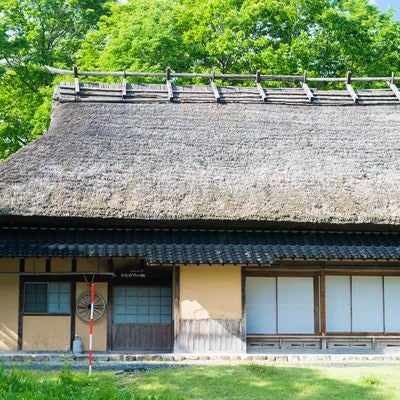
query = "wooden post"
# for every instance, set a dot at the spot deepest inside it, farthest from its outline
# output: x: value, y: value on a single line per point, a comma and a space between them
x: 306, y: 88
x: 176, y: 278
x: 394, y: 88
x: 305, y: 76
x: 350, y: 89
x: 243, y: 333
x: 259, y: 86
x: 77, y: 86
x: 21, y: 299
x: 215, y: 88
x: 169, y: 85
x: 73, y: 313
x: 109, y: 314
x: 48, y: 265
x: 124, y: 85
x: 322, y: 301
x: 317, y: 310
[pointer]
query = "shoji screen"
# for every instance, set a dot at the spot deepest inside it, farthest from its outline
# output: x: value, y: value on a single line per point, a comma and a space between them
x: 295, y: 305
x: 338, y: 304
x: 392, y: 304
x: 261, y: 305
x: 367, y: 295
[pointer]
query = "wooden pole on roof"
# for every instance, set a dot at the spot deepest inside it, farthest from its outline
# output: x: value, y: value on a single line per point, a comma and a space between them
x: 350, y: 89
x: 214, y: 87
x: 124, y: 85
x: 169, y: 84
x: 306, y: 88
x: 76, y: 81
x: 259, y: 86
x: 394, y: 88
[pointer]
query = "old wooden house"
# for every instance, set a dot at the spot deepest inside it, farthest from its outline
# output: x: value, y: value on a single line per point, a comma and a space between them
x: 211, y: 218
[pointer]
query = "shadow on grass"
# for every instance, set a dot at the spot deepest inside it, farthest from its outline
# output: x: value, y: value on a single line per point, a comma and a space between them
x: 255, y: 381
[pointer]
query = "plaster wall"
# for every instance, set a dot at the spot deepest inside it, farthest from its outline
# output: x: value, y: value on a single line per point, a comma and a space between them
x: 208, y: 292
x: 9, y: 289
x: 51, y: 333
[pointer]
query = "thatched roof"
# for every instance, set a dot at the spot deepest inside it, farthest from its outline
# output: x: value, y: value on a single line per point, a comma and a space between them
x: 202, y: 161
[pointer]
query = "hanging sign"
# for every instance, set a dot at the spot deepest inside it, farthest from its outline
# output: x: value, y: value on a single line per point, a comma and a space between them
x: 133, y: 273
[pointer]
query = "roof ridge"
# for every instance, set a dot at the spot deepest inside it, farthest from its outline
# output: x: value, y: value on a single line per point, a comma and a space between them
x: 125, y: 92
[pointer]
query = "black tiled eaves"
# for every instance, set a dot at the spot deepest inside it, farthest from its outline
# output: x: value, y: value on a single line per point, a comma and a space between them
x: 180, y: 246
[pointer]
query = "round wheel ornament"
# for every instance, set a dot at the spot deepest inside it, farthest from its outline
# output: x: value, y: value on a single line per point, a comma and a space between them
x: 83, y: 306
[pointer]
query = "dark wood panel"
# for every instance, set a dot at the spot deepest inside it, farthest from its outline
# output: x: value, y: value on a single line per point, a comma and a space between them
x: 176, y: 303
x: 142, y: 337
x: 210, y: 335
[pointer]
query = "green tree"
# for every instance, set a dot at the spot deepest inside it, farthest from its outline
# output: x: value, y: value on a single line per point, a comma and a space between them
x: 140, y: 35
x: 326, y: 37
x: 33, y: 34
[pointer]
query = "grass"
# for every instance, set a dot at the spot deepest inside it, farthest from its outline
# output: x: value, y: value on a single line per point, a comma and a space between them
x: 246, y: 381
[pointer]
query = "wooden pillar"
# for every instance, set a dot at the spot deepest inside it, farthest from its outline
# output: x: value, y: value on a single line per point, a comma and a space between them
x: 73, y: 312
x: 243, y: 320
x: 322, y: 302
x: 109, y: 314
x: 176, y: 305
x: 317, y: 323
x: 21, y: 309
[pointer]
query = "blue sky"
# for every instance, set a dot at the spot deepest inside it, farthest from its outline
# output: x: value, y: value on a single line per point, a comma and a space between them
x: 384, y: 4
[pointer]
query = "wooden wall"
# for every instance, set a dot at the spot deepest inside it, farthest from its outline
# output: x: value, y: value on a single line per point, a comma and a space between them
x: 209, y: 335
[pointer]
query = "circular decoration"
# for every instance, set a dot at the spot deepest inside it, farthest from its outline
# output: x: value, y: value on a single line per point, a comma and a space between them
x: 83, y: 306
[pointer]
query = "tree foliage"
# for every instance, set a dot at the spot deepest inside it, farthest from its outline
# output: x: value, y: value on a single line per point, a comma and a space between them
x: 34, y: 34
x: 324, y: 37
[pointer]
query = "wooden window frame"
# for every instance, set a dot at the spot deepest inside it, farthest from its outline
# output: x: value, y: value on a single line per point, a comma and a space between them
x: 46, y: 313
x: 320, y: 295
x: 170, y: 315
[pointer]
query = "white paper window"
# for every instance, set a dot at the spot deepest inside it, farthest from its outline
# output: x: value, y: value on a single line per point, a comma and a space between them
x: 338, y: 304
x: 290, y: 301
x: 356, y: 304
x: 261, y: 305
x: 295, y: 305
x: 392, y: 303
x: 367, y: 295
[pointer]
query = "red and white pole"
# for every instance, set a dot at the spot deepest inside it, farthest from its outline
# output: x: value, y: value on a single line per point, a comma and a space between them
x: 91, y: 329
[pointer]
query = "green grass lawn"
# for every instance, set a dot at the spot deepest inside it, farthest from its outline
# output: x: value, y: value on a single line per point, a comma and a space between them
x: 246, y: 381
